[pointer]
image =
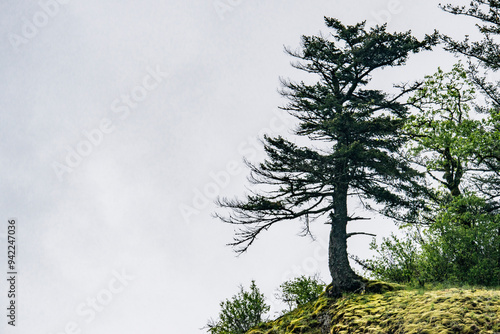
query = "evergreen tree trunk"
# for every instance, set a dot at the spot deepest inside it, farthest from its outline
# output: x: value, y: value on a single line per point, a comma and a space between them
x: 344, y: 279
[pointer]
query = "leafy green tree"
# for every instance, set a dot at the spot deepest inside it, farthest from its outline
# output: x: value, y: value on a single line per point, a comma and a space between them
x: 461, y: 243
x: 464, y: 235
x: 440, y: 132
x: 300, y: 290
x: 356, y: 135
x: 483, y: 54
x: 240, y: 313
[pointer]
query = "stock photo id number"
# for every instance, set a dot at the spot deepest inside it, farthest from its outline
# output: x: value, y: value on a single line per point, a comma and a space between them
x: 12, y: 272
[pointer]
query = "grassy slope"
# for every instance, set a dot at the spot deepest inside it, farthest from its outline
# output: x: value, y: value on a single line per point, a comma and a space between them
x: 399, y: 311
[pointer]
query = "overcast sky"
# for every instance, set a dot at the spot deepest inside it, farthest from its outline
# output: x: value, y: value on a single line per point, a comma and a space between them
x: 122, y: 121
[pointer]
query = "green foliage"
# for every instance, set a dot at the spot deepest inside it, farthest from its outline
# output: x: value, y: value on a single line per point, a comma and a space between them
x: 442, y: 120
x: 300, y: 290
x: 242, y: 312
x: 397, y: 260
x: 463, y: 244
x: 441, y: 129
x: 461, y: 247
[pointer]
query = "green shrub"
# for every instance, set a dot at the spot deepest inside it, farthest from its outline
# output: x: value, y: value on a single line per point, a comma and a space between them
x: 464, y: 244
x: 244, y: 311
x: 397, y: 260
x: 461, y: 246
x: 300, y: 290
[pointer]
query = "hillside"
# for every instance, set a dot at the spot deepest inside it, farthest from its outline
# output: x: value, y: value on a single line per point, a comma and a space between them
x: 395, y: 310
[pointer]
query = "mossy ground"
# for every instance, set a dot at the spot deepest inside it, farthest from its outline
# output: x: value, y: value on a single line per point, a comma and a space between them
x: 408, y: 311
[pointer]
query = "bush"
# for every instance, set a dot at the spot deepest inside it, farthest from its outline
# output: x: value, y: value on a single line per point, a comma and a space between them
x: 300, y: 290
x: 397, y: 260
x: 461, y: 246
x: 244, y: 311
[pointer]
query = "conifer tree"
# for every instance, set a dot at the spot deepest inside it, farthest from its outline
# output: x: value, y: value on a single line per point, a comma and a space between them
x: 354, y: 135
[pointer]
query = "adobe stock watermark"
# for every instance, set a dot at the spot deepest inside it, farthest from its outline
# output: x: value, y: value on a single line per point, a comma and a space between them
x: 88, y: 310
x: 30, y: 28
x: 120, y: 108
x: 393, y: 7
x: 311, y: 264
x: 222, y: 7
x: 203, y: 196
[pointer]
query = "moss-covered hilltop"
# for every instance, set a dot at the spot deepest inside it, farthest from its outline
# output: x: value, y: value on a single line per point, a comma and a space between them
x: 393, y: 309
